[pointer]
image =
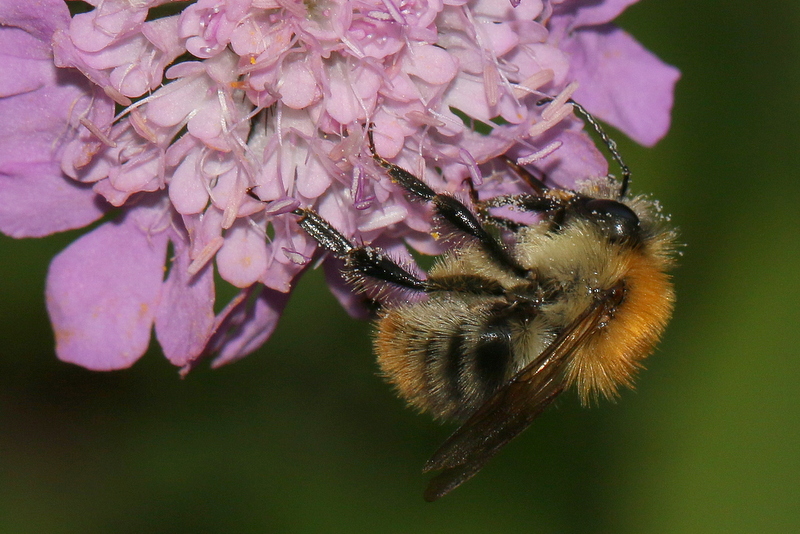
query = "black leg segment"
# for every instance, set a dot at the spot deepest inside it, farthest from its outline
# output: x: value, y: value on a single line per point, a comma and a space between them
x: 451, y: 210
x: 360, y: 262
x: 323, y: 233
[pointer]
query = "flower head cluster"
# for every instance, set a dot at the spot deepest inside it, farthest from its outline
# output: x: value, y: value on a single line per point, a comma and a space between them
x: 162, y: 117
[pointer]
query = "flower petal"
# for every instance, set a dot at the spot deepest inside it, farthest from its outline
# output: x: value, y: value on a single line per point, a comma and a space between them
x: 242, y: 260
x: 431, y: 63
x: 186, y: 189
x: 576, y: 159
x: 185, y: 317
x: 248, y: 325
x: 102, y: 294
x: 591, y: 13
x: 40, y: 18
x: 298, y: 86
x: 622, y: 82
x: 36, y: 199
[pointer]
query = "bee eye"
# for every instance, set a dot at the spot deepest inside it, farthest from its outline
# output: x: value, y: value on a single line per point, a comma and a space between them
x: 621, y: 220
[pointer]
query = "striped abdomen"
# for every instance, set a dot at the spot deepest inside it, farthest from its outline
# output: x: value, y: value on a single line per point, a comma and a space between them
x: 450, y: 353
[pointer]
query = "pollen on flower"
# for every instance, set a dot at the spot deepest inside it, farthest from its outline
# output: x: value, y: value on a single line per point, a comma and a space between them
x: 554, y: 108
x: 97, y: 132
x: 540, y: 154
x: 226, y: 97
x: 533, y: 83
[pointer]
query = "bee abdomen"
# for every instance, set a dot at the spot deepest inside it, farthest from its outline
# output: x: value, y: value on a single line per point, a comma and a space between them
x: 445, y: 356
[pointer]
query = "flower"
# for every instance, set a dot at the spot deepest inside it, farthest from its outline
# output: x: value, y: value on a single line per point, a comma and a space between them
x: 159, y: 118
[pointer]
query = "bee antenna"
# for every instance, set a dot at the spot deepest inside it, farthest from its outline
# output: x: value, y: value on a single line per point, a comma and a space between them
x: 610, y: 143
x: 536, y: 184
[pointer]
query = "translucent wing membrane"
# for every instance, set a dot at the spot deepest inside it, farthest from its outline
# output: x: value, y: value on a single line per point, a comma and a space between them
x: 513, y: 408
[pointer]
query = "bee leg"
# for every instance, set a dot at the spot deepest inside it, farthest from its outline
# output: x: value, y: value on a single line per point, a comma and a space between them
x: 536, y: 184
x: 522, y: 202
x: 360, y: 262
x: 451, y: 210
x: 551, y: 205
x: 542, y: 201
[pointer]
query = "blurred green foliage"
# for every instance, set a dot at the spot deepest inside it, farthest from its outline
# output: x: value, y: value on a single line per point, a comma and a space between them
x: 303, y: 436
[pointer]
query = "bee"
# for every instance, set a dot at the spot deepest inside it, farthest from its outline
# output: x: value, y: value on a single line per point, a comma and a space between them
x: 509, y: 322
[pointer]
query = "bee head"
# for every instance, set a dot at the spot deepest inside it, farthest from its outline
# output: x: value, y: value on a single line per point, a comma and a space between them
x: 619, y: 222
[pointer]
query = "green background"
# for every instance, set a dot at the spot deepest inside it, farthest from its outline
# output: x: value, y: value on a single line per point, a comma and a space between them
x: 303, y: 437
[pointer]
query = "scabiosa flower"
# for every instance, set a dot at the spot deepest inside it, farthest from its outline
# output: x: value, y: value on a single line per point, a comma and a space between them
x: 161, y: 117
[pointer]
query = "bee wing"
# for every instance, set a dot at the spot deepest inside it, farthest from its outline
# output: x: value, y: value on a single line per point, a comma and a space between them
x: 512, y: 409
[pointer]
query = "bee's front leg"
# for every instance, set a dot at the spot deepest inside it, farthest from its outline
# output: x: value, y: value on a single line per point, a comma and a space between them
x: 360, y: 261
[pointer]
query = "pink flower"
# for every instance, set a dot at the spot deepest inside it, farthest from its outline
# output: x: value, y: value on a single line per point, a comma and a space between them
x: 164, y: 124
x: 620, y: 81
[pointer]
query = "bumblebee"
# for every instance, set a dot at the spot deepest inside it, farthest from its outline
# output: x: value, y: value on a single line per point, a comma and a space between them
x: 509, y: 322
